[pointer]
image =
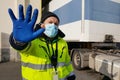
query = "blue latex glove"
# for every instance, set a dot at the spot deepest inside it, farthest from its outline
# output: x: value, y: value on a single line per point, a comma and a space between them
x: 23, y: 28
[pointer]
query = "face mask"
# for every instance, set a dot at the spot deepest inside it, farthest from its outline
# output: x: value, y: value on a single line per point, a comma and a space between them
x: 51, y: 30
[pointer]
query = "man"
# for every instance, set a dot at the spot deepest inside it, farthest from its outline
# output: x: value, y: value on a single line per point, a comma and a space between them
x: 44, y: 54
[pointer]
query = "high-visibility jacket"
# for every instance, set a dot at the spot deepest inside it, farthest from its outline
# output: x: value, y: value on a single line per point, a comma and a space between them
x: 36, y: 63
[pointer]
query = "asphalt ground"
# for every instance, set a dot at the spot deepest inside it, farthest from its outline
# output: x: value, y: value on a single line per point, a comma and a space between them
x: 12, y: 71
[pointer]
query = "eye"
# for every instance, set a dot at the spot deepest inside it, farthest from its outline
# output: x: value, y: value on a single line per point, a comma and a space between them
x: 50, y: 22
x: 56, y: 24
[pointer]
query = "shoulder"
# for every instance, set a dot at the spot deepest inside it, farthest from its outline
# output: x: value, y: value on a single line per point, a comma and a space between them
x: 62, y: 41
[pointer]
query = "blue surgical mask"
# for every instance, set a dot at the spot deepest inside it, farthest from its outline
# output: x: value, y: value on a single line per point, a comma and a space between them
x: 51, y: 30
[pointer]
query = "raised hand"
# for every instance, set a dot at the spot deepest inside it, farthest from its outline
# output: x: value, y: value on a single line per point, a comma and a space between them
x: 23, y: 28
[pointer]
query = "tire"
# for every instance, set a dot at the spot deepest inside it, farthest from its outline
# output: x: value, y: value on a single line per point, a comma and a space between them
x: 106, y: 78
x: 76, y: 60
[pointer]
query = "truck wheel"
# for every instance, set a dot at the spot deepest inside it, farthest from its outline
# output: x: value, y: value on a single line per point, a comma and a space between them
x: 76, y: 60
x: 106, y: 78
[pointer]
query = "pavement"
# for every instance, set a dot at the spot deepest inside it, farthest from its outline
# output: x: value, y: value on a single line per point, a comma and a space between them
x: 12, y: 71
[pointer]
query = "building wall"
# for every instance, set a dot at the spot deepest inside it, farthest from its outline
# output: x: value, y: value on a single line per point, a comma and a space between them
x: 6, y: 52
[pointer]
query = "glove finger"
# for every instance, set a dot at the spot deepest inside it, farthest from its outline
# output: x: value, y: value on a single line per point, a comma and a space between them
x: 28, y: 13
x: 21, y: 15
x: 38, y: 32
x: 34, y: 17
x: 11, y: 14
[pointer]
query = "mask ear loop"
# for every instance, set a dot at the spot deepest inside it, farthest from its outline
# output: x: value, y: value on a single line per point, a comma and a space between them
x: 38, y: 26
x: 40, y: 23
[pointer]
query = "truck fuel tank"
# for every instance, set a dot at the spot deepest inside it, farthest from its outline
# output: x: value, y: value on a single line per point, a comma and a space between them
x: 108, y: 65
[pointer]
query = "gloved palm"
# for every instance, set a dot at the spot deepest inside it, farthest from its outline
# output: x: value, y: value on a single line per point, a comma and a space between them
x: 23, y: 28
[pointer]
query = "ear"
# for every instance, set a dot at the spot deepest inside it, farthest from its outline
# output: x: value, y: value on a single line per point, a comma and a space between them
x: 42, y: 25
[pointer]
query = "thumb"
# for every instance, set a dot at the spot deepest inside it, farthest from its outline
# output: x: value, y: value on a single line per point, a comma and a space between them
x: 38, y: 32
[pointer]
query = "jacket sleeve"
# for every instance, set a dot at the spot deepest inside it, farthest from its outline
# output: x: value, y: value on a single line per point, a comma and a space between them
x: 69, y: 66
x: 16, y: 46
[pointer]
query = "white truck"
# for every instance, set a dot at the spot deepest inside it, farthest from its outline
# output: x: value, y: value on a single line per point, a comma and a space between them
x: 92, y: 29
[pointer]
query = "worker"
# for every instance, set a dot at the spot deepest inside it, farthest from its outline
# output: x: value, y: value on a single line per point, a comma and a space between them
x: 44, y: 53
